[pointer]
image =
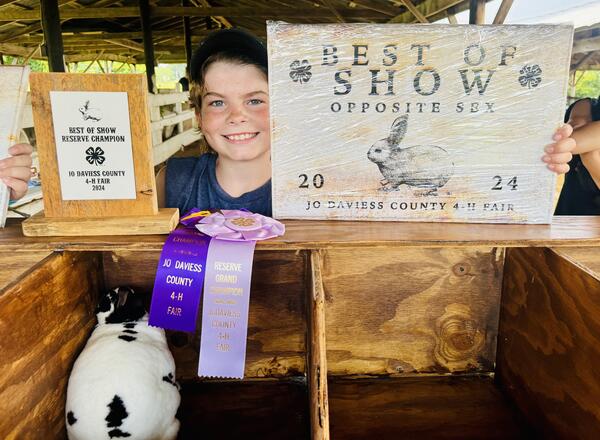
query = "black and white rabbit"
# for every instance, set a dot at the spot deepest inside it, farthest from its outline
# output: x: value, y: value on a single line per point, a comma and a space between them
x: 422, y: 166
x: 123, y: 383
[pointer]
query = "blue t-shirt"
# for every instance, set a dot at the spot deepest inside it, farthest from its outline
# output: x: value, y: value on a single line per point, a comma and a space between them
x: 191, y: 182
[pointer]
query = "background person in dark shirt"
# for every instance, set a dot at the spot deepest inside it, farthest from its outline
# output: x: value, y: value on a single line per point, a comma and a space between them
x: 580, y: 194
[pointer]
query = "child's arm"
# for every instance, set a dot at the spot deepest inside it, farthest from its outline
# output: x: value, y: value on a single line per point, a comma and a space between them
x: 15, y: 170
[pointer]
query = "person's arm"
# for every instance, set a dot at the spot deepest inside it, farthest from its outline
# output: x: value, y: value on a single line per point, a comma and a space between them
x: 15, y: 170
x: 591, y: 162
x: 586, y: 132
x: 587, y: 138
x: 558, y: 154
x: 160, y: 186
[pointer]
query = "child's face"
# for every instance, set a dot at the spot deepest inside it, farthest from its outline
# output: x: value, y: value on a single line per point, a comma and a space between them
x: 234, y: 116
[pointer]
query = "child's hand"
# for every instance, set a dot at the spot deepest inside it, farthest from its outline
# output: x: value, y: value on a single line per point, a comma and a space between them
x: 15, y: 170
x: 558, y: 154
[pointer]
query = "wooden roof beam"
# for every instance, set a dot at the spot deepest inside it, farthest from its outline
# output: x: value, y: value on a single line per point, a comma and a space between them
x: 477, y: 12
x: 427, y: 9
x: 503, y: 11
x: 411, y: 7
x: 105, y: 56
x: 16, y: 50
x: 333, y: 10
x: 377, y: 6
x: 586, y: 45
x: 182, y: 11
x: 128, y: 44
x: 583, y: 59
x: 226, y: 23
x: 95, y: 59
x: 68, y: 37
x: 35, y: 27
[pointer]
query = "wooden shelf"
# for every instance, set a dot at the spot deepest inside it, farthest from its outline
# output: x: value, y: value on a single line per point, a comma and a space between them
x: 307, y: 234
x: 356, y: 330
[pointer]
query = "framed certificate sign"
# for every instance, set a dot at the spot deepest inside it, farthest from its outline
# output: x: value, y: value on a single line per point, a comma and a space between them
x: 415, y: 122
x: 88, y: 127
x: 95, y: 151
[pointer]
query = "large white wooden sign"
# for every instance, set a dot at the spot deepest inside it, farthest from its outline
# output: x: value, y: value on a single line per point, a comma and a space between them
x: 415, y: 122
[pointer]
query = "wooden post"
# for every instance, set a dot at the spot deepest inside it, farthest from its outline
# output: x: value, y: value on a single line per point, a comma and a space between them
x: 317, y: 373
x: 503, y: 11
x: 187, y: 39
x: 477, y: 12
x: 148, y: 47
x: 52, y: 35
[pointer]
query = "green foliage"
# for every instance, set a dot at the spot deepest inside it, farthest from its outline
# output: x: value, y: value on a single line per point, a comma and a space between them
x: 588, y: 84
x: 35, y: 65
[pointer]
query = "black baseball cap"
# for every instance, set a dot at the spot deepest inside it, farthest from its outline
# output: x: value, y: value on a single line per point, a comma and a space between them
x: 231, y: 41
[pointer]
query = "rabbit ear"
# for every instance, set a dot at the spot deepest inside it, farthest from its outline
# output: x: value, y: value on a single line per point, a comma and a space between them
x: 398, y: 130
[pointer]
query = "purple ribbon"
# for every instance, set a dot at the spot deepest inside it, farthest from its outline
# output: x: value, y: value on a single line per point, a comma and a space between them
x: 179, y: 281
x: 218, y: 258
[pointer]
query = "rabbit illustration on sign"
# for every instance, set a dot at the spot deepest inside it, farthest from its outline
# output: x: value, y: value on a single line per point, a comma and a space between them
x: 88, y: 113
x: 427, y: 167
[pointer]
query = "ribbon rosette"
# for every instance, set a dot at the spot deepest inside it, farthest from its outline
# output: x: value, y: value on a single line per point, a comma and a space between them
x: 235, y: 225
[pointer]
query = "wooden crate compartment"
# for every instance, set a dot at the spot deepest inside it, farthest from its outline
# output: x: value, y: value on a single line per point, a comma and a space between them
x: 57, y: 297
x: 260, y: 409
x: 549, y: 342
x: 412, y: 310
x: 355, y: 331
x: 276, y: 344
x: 439, y: 407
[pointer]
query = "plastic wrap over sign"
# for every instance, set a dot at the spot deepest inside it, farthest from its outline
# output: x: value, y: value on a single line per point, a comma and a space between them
x: 415, y: 122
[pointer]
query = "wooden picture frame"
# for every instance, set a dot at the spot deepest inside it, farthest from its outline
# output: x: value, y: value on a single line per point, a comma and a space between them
x: 135, y: 212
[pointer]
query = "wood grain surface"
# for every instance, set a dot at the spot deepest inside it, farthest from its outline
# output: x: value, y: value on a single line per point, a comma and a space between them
x: 13, y: 265
x: 264, y: 409
x: 317, y: 352
x: 145, y: 202
x: 549, y: 343
x: 304, y: 234
x: 421, y: 408
x: 588, y: 259
x: 277, y: 318
x: 411, y: 310
x: 45, y: 319
x: 163, y: 222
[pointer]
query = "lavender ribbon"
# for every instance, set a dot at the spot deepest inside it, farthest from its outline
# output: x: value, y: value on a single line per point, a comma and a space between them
x: 225, y: 309
x: 217, y: 256
x: 236, y: 225
x: 227, y: 287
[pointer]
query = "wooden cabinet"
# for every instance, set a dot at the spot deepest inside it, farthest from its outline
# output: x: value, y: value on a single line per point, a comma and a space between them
x: 356, y: 331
